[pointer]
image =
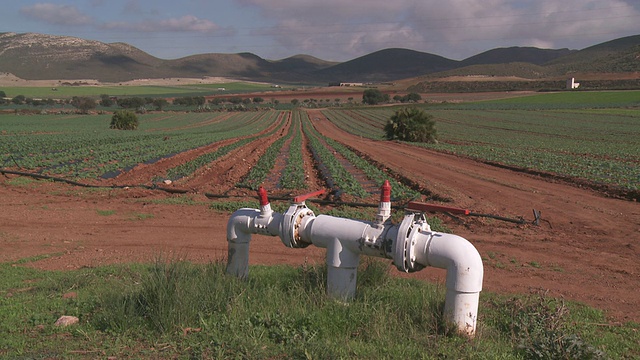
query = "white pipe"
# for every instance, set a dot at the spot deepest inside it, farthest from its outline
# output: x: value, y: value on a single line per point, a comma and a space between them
x: 240, y: 226
x: 464, y: 275
x: 411, y: 244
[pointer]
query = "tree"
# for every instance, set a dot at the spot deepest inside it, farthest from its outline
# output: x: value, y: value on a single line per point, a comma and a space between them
x: 19, y: 99
x: 131, y: 103
x: 374, y: 97
x: 160, y: 103
x: 411, y: 97
x: 83, y: 103
x: 106, y: 101
x: 295, y: 102
x: 3, y: 94
x: 411, y: 124
x: 124, y: 120
x: 258, y: 100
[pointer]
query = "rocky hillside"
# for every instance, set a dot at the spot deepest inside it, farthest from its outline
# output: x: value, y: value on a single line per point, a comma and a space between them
x: 46, y: 57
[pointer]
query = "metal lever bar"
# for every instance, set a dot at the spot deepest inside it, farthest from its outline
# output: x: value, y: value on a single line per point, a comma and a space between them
x: 302, y: 198
x: 424, y: 207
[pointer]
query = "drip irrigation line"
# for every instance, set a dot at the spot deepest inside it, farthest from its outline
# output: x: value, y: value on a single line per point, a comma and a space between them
x: 278, y: 198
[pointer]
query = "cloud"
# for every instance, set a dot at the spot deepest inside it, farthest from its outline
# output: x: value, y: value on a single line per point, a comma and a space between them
x: 56, y: 14
x: 187, y: 23
x: 453, y: 28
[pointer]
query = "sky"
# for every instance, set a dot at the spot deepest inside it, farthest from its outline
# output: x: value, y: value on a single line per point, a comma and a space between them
x: 334, y: 30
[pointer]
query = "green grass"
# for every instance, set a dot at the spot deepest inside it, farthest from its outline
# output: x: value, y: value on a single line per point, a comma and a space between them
x: 105, y: 212
x: 176, y: 309
x: 586, y: 99
x: 132, y: 91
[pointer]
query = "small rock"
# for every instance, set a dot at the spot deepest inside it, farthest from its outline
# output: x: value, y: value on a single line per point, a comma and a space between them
x: 167, y: 182
x: 66, y: 320
x: 70, y: 295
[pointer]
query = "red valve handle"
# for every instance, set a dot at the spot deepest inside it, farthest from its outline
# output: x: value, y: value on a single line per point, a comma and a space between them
x: 385, y: 192
x: 413, y: 205
x: 262, y: 195
x: 301, y: 198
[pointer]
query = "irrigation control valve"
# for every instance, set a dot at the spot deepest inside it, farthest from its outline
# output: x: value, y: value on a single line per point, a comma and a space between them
x: 411, y: 244
x: 293, y: 218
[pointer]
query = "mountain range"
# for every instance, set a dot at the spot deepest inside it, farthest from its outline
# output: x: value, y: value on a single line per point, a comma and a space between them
x: 33, y: 56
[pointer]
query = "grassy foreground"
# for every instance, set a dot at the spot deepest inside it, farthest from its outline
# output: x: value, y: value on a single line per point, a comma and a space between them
x: 176, y: 309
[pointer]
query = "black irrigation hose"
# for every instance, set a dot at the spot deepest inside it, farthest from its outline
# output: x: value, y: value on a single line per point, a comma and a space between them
x: 75, y: 183
x: 209, y: 195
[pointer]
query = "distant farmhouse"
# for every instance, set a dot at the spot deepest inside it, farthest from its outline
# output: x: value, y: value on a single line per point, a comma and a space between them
x: 572, y: 84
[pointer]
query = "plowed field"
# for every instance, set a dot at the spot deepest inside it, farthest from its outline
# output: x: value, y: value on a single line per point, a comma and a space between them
x: 585, y: 248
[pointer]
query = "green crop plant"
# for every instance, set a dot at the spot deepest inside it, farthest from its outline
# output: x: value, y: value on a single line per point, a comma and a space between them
x: 293, y: 176
x: 261, y: 169
x: 335, y: 173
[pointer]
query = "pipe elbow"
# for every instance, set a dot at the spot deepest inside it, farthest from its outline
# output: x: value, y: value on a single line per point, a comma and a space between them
x: 239, y: 225
x: 459, y: 257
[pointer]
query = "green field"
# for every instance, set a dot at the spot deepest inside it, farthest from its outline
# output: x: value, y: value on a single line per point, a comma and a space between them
x: 592, y: 137
x: 589, y: 137
x: 63, y: 92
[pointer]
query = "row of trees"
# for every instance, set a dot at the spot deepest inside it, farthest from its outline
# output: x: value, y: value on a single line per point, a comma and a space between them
x: 375, y: 97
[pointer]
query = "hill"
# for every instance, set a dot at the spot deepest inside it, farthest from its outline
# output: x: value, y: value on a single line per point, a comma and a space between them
x: 387, y: 65
x: 47, y: 57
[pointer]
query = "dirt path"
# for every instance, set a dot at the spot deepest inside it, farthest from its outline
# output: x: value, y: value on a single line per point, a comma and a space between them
x: 587, y: 248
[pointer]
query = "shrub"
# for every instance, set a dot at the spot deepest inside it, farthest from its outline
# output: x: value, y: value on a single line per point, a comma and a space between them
x: 411, y: 125
x: 374, y: 97
x: 124, y: 120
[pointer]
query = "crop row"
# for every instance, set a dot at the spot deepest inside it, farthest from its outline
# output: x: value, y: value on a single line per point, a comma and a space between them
x: 189, y: 167
x: 599, y: 145
x: 335, y: 175
x: 85, y: 146
x: 261, y: 169
x: 293, y: 176
x: 400, y: 191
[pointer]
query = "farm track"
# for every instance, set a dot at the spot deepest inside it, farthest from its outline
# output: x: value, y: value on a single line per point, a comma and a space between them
x: 586, y: 248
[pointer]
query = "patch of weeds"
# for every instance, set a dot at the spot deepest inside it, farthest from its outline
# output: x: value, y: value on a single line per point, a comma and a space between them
x: 21, y: 181
x: 176, y: 200
x: 141, y: 216
x: 542, y: 330
x: 500, y: 265
x: 35, y: 258
x: 557, y: 268
x: 105, y: 212
x: 231, y: 206
x: 535, y: 264
x: 513, y: 261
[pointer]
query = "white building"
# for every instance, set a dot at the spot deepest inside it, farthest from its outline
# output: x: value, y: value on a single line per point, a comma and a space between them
x: 572, y: 84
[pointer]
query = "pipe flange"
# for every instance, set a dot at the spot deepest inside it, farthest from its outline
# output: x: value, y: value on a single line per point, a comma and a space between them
x: 401, y: 253
x: 290, y: 225
x: 404, y: 256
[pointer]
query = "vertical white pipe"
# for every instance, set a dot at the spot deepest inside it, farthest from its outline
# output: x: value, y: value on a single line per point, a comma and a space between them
x: 238, y: 237
x: 342, y: 271
x: 464, y: 275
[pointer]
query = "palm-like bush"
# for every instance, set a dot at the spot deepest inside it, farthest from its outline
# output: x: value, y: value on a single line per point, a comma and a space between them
x: 411, y: 124
x: 124, y: 120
